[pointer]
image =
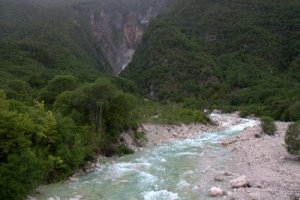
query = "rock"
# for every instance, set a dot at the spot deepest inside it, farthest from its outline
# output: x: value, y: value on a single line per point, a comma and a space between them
x: 255, y: 196
x: 218, y: 178
x: 227, y: 173
x: 123, y: 182
x: 54, y: 198
x: 73, y: 179
x: 239, y: 182
x: 31, y: 198
x: 216, y: 192
x: 77, y: 197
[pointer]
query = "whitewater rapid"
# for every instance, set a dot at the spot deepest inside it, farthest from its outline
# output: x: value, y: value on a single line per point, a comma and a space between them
x: 183, y: 169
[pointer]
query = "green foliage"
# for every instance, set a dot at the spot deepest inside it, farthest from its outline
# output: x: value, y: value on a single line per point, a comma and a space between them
x: 139, y: 135
x: 292, y: 138
x: 20, y: 174
x: 56, y: 86
x: 180, y: 115
x: 87, y: 120
x: 19, y: 90
x: 123, y: 150
x: 236, y: 54
x: 294, y: 111
x: 268, y: 126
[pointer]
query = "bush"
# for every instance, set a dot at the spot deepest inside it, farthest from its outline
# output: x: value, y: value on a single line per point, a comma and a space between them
x: 139, y: 135
x: 295, y: 111
x: 181, y: 115
x: 268, y: 126
x: 123, y: 150
x: 292, y: 139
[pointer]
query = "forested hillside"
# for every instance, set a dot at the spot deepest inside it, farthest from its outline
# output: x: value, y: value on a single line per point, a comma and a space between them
x: 240, y: 55
x: 60, y: 105
x: 57, y: 107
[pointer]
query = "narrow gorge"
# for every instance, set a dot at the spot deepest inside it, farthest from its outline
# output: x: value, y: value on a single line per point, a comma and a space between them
x: 118, y: 30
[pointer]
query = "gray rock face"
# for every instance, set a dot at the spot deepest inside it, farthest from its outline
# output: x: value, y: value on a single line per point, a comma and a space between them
x: 119, y: 29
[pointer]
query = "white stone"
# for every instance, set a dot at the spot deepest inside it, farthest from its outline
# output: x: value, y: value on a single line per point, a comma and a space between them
x: 73, y: 179
x: 216, y: 192
x: 239, y: 182
x: 77, y: 197
x: 124, y: 181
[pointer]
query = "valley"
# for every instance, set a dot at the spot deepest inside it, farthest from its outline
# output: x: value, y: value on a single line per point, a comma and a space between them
x: 169, y: 94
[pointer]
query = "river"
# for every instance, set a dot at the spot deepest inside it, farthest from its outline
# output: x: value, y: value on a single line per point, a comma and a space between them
x: 183, y: 169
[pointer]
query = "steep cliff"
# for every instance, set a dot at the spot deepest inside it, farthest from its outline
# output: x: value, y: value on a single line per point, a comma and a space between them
x: 119, y: 28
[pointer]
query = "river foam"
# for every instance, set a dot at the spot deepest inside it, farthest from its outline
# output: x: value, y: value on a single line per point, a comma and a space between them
x: 171, y: 171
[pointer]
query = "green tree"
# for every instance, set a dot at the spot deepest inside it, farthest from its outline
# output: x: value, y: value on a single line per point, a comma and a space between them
x: 56, y: 86
x: 20, y: 174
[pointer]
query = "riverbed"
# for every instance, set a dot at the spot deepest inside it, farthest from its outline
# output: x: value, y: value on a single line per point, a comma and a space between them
x: 182, y: 169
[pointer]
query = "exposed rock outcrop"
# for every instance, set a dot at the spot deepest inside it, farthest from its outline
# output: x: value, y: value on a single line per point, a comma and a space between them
x: 119, y: 29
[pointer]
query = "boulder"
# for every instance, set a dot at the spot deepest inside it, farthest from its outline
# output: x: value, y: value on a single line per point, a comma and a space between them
x: 77, y: 197
x: 227, y: 173
x: 239, y: 182
x: 216, y: 192
x: 73, y: 179
x: 123, y: 181
x: 218, y: 178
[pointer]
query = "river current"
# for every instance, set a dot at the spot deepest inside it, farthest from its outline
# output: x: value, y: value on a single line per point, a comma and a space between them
x: 180, y: 170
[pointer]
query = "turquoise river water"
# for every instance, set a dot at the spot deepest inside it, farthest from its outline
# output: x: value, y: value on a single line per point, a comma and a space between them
x: 183, y: 169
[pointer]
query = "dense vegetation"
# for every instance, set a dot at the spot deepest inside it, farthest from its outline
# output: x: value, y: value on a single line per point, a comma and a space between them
x: 234, y: 55
x: 292, y: 139
x: 58, y: 109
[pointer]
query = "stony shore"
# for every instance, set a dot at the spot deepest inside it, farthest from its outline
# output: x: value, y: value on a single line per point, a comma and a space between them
x: 156, y: 134
x: 269, y: 171
x: 264, y: 170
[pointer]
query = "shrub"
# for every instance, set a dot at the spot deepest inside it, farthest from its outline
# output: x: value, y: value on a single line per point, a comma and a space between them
x: 268, y: 126
x: 292, y: 138
x: 181, y: 115
x: 139, y: 135
x: 295, y: 111
x: 124, y: 150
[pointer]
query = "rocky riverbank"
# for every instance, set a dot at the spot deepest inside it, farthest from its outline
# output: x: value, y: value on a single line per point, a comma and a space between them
x: 264, y: 169
x: 156, y: 134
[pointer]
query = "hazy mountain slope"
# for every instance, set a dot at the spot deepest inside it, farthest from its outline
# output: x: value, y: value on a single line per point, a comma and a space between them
x: 101, y: 33
x: 220, y: 53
